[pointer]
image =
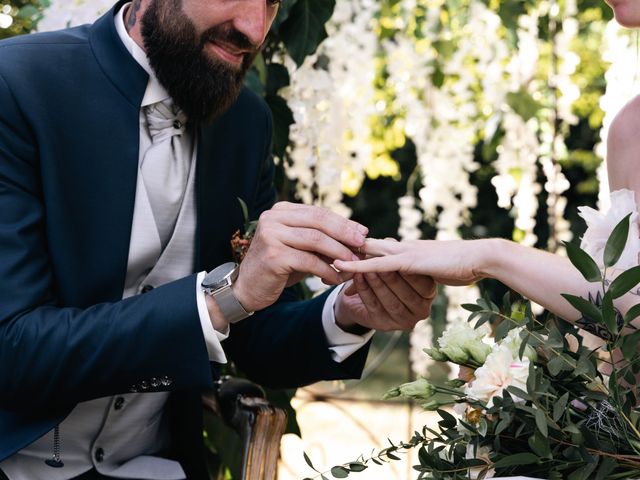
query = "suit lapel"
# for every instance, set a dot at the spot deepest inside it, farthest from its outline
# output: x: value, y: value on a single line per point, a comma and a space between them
x: 217, y: 185
x: 108, y: 180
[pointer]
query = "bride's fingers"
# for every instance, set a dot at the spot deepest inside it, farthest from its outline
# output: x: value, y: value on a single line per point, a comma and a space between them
x: 390, y: 263
x: 374, y: 247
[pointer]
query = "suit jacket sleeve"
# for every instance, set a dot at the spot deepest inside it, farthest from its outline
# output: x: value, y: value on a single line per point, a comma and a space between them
x: 52, y: 355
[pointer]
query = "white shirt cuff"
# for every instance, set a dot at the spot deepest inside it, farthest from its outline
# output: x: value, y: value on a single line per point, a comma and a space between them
x: 212, y: 337
x: 342, y: 344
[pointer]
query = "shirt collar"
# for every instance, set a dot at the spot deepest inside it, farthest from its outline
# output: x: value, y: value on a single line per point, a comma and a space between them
x: 155, y: 92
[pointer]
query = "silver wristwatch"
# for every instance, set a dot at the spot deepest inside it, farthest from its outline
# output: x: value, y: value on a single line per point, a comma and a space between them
x: 217, y: 283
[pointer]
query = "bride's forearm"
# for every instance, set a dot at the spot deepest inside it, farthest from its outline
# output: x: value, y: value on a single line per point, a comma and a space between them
x: 543, y: 277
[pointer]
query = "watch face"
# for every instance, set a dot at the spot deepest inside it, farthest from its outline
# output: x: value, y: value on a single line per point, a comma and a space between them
x: 219, y: 276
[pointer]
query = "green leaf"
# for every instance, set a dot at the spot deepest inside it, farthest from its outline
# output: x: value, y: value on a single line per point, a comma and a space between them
x: 518, y: 392
x: 277, y: 78
x: 585, y: 366
x: 632, y: 313
x: 282, y: 121
x: 539, y: 445
x: 304, y: 30
x: 585, y: 307
x: 503, y: 329
x: 483, y: 427
x: 583, y: 472
x: 556, y: 365
x: 357, y: 467
x: 472, y: 307
x: 625, y: 282
x: 245, y: 209
x: 616, y: 242
x: 541, y: 423
x: 28, y: 11
x: 339, y: 472
x: 308, y: 460
x: 629, y: 347
x: 560, y: 406
x: 609, y: 313
x: 607, y: 465
x: 523, y: 345
x: 516, y: 459
x: 448, y: 420
x: 583, y: 262
x: 555, y: 338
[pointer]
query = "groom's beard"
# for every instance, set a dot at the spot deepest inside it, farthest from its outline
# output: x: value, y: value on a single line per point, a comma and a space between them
x: 202, y: 87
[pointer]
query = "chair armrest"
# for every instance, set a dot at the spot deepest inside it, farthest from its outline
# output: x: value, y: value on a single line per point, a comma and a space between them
x: 259, y: 424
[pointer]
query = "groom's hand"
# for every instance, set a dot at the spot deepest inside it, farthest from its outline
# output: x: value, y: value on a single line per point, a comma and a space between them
x: 385, y: 301
x: 291, y: 241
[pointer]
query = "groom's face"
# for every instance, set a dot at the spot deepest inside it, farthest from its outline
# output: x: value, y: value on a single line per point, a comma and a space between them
x: 201, y: 50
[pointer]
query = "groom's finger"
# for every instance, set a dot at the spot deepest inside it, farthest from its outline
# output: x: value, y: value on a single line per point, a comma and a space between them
x: 380, y: 319
x: 337, y: 227
x: 424, y: 285
x: 387, y: 298
x: 315, y: 241
x: 407, y: 293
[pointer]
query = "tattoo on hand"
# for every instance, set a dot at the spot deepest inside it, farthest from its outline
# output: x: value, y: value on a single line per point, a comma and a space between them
x: 133, y: 13
x: 597, y: 329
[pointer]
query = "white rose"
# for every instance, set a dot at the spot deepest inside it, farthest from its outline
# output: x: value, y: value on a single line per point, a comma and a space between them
x: 600, y: 226
x: 500, y: 370
x: 513, y: 342
x: 460, y: 342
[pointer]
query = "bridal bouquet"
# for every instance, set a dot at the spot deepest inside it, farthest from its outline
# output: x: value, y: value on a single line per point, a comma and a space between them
x: 531, y: 398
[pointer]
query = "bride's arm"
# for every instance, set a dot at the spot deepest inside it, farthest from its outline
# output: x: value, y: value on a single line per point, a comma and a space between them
x: 542, y: 277
x: 538, y: 275
x: 623, y: 149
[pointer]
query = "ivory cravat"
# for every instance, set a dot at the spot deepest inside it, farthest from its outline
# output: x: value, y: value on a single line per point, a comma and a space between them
x: 165, y: 166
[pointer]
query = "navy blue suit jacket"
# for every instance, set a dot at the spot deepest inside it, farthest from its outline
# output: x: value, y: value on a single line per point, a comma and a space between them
x: 69, y: 139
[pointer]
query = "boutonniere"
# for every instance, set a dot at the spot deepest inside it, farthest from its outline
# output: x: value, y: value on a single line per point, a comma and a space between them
x: 241, y: 241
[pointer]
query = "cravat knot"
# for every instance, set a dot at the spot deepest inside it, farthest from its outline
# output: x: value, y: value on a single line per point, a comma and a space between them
x: 166, y: 164
x: 164, y: 120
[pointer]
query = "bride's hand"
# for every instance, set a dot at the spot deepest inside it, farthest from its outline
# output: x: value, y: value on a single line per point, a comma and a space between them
x: 450, y: 262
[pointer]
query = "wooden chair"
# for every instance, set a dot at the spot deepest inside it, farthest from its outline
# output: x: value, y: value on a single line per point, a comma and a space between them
x: 260, y: 425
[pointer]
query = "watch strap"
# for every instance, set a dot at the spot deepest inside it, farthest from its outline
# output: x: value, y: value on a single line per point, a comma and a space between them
x: 229, y: 305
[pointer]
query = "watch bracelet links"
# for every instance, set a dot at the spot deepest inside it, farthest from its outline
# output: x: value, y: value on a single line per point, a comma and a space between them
x: 228, y: 304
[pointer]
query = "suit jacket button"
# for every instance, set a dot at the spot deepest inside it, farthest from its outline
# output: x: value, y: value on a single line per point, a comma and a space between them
x: 166, y: 381
x: 99, y: 455
x: 146, y: 288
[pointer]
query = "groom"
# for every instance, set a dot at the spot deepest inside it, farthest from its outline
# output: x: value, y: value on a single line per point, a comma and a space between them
x: 124, y: 147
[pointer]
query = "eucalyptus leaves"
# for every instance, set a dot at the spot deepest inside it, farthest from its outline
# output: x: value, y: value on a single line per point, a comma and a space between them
x: 538, y: 403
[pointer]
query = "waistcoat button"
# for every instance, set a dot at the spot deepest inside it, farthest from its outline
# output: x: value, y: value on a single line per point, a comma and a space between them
x: 99, y: 455
x: 119, y: 403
